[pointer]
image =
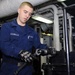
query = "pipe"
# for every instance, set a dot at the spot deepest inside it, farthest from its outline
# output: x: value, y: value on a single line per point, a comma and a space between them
x: 66, y: 36
x: 56, y: 38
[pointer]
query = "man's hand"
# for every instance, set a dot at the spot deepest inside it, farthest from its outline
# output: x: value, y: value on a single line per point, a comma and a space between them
x: 26, y: 56
x: 40, y: 52
x: 48, y: 51
x: 51, y: 51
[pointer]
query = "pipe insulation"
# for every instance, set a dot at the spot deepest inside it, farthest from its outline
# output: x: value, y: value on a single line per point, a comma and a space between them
x: 10, y: 7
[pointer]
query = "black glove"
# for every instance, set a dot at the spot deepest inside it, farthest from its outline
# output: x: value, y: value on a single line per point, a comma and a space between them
x: 40, y: 52
x: 48, y: 51
x: 51, y: 51
x: 26, y: 56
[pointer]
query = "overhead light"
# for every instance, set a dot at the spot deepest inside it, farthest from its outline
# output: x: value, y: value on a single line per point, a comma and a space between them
x: 42, y: 19
x: 48, y: 34
x: 61, y: 0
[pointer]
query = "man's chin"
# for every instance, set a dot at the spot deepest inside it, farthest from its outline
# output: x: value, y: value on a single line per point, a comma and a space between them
x: 23, y: 22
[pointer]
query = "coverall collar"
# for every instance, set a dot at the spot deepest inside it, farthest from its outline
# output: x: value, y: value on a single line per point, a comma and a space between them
x: 18, y: 28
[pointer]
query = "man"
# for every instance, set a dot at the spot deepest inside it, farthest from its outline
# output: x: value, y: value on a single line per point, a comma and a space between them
x: 17, y: 40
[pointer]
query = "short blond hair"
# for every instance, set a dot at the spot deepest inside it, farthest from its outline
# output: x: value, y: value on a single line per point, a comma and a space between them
x: 26, y: 3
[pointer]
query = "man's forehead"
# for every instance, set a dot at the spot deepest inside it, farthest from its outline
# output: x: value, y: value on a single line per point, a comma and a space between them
x: 26, y: 6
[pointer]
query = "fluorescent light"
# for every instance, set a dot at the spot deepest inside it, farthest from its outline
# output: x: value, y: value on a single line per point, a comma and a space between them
x: 48, y: 34
x: 42, y: 19
x: 61, y: 0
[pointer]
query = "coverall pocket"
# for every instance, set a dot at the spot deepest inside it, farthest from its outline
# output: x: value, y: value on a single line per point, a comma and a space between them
x: 14, y: 38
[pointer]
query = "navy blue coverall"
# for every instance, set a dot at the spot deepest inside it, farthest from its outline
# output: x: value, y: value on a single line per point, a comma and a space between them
x: 15, y: 38
x: 0, y: 47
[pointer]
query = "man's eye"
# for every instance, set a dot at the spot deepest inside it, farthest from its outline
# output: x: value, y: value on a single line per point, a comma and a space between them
x: 25, y: 11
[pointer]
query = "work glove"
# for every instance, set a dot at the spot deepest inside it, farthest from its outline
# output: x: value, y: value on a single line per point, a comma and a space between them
x: 51, y: 50
x: 26, y: 56
x: 48, y: 51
